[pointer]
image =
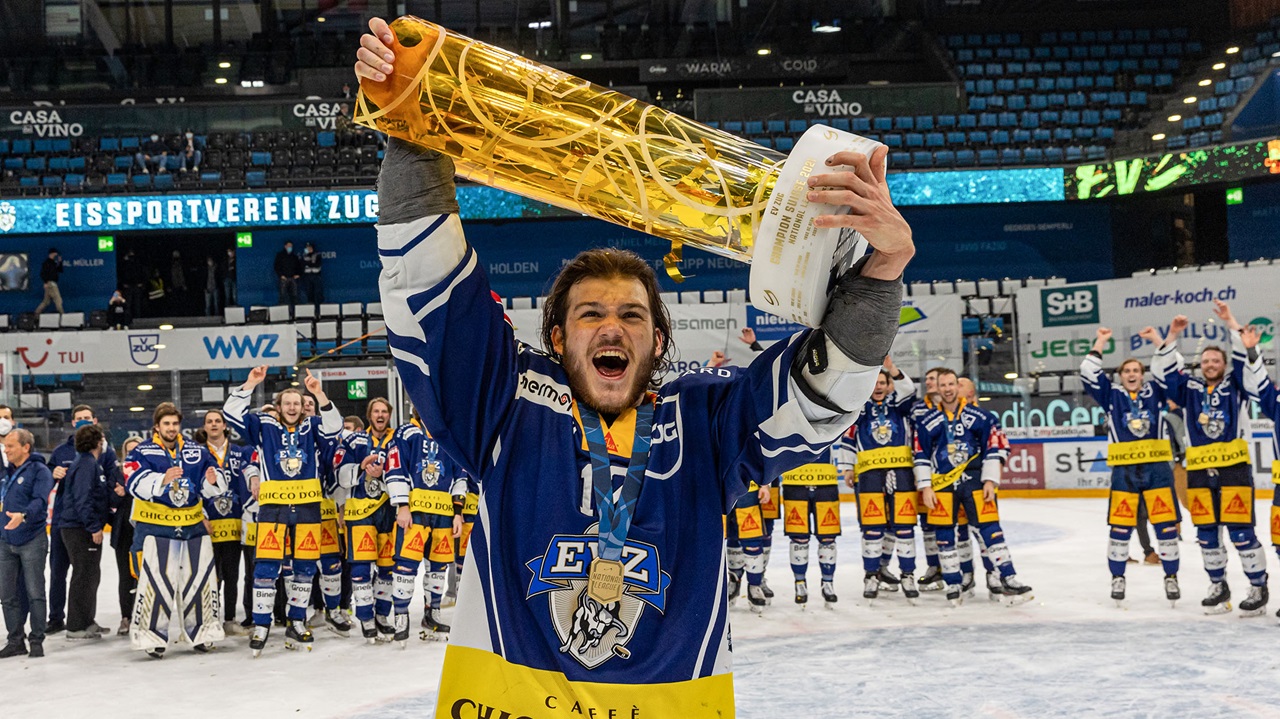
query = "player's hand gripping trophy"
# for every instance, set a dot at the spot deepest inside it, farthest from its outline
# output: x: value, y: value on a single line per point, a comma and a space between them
x: 517, y: 125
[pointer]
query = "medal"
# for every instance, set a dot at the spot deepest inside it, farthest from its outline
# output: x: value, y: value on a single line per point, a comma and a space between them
x: 1136, y: 425
x: 951, y: 448
x: 604, y: 580
x: 1203, y: 419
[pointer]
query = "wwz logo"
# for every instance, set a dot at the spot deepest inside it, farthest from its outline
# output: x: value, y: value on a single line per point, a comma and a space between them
x: 1069, y: 306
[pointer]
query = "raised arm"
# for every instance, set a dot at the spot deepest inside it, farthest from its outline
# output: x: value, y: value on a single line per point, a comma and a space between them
x: 1094, y: 378
x: 1166, y: 365
x: 236, y: 408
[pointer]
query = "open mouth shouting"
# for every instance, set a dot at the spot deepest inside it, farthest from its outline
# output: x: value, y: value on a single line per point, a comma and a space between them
x: 611, y: 363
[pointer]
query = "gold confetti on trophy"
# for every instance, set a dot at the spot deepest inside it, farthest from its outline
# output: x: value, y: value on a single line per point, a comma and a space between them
x: 521, y: 126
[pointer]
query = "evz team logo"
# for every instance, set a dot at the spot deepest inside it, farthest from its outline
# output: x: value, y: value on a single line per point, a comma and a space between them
x: 589, y: 631
x: 8, y: 216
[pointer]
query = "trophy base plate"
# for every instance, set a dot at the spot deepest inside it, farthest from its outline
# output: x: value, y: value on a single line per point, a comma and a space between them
x: 795, y: 265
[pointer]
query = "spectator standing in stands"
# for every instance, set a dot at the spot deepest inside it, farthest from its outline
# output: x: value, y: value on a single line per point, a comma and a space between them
x: 118, y: 313
x: 133, y: 277
x: 153, y: 153
x: 85, y: 511
x: 190, y: 154
x: 229, y: 279
x: 288, y: 269
x: 210, y: 287
x: 49, y: 273
x: 60, y: 462
x: 177, y: 284
x: 24, y: 546
x: 311, y: 274
x: 122, y: 534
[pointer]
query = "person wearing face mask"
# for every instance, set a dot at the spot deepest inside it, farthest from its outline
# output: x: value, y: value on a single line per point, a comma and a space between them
x: 288, y: 269
x: 153, y: 153
x: 122, y: 536
x: 60, y: 461
x: 1138, y: 452
x: 229, y: 286
x: 86, y: 510
x: 1215, y: 409
x: 190, y: 154
x: 311, y: 262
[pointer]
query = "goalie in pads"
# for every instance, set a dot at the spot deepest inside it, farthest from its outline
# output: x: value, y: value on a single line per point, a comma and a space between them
x: 172, y: 555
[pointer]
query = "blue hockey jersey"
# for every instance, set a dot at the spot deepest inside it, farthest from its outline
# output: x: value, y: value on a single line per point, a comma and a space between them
x: 420, y: 473
x: 1263, y: 389
x: 288, y: 456
x: 969, y: 438
x: 883, y: 427
x: 173, y: 510
x: 1216, y: 416
x: 1130, y: 418
x: 527, y: 639
x: 365, y: 492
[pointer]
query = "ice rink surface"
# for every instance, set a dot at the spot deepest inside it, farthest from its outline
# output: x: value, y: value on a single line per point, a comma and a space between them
x: 1069, y: 653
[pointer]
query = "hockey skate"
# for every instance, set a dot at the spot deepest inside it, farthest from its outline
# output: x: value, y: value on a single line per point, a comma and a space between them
x: 1117, y: 591
x: 432, y: 628
x: 802, y: 592
x: 317, y: 619
x: 954, y: 595
x: 768, y: 593
x: 203, y: 648
x: 735, y: 588
x: 932, y: 580
x: 258, y: 639
x: 448, y: 600
x: 755, y: 597
x: 1171, y: 590
x: 369, y: 630
x: 157, y: 653
x: 995, y: 590
x: 909, y: 588
x: 1219, y: 599
x: 337, y: 622
x: 1015, y: 592
x: 386, y: 630
x: 296, y: 635
x: 1254, y: 605
x: 829, y: 594
x: 402, y: 630
x: 966, y: 585
x: 888, y: 582
x: 871, y: 585
x: 232, y: 628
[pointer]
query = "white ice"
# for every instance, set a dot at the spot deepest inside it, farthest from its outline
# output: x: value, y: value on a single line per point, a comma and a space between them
x: 1069, y: 653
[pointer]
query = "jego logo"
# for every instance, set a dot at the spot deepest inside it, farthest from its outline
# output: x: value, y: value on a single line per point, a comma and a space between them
x: 1069, y: 305
x: 251, y: 346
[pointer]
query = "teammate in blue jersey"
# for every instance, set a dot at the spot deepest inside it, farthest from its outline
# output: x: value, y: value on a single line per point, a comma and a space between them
x: 466, y: 500
x: 224, y: 513
x: 419, y: 478
x: 1261, y: 387
x: 598, y: 547
x: 361, y: 463
x: 172, y: 555
x: 288, y: 499
x: 959, y: 453
x: 744, y: 546
x: 1215, y: 409
x: 876, y: 459
x: 931, y: 580
x: 1139, y: 454
x: 326, y: 596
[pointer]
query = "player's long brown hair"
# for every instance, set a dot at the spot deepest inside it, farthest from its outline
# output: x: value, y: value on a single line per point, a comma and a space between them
x: 607, y: 263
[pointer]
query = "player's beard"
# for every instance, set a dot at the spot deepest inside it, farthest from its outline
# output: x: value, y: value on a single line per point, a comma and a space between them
x: 581, y: 389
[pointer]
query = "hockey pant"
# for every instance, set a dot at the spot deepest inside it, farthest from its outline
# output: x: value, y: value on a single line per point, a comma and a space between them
x: 174, y: 575
x: 429, y: 538
x: 287, y: 549
x: 885, y: 498
x: 371, y: 555
x: 745, y: 539
x: 1223, y: 498
x: 966, y: 496
x: 1133, y: 487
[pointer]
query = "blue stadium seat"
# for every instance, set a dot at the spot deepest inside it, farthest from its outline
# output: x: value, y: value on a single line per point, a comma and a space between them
x: 13, y: 163
x: 1057, y: 99
x: 1007, y: 119
x: 1117, y: 99
x: 1038, y: 102
x: 117, y: 179
x: 904, y: 123
x: 122, y: 162
x: 1005, y: 84
x: 924, y: 122
x: 892, y: 140
x: 963, y: 55
x: 21, y: 147
x: 255, y: 178
x: 1062, y: 134
x: 1226, y: 102
x: 1026, y: 84
x: 260, y: 158
x: 141, y: 182
x: 326, y: 139
x: 956, y: 137
x: 754, y: 127
x: 1071, y: 117
x: 1000, y: 137
x: 1084, y: 133
x: 42, y: 145
x: 1112, y: 115
x: 934, y: 139
x: 977, y: 103
x: 988, y: 156
x: 1213, y: 119
x: 965, y: 158
x: 129, y: 143
x: 1177, y: 142
x: 1198, y: 139
x: 61, y: 164
x: 1106, y: 133
x: 915, y: 139
x: 1078, y: 99
x: 899, y: 159
x: 882, y: 124
x: 1054, y: 155
x: 988, y: 119
x: 859, y: 124
x: 967, y: 121
x: 210, y: 176
x: 1243, y: 84
x: 1192, y: 123
x: 762, y: 140
x: 108, y: 144
x: 1095, y: 152
x: 34, y: 164
x: 944, y: 158
x: 376, y: 345
x: 797, y: 127
x: 51, y: 181
x: 733, y: 126
x: 1033, y: 155
x: 785, y: 144
x: 1022, y: 136
x: 1074, y: 153
x: 1090, y: 117
x: 1084, y: 82
x: 1045, y: 84
x: 163, y: 181
x: 946, y: 120
x: 922, y: 158
x: 1065, y: 83
x: 1051, y: 117
x: 979, y: 137
x: 776, y: 126
x: 77, y: 163
x: 1042, y: 135
x: 73, y: 180
x: 1016, y: 102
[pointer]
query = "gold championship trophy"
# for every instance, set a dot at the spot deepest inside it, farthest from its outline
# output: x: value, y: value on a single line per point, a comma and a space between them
x: 520, y: 126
